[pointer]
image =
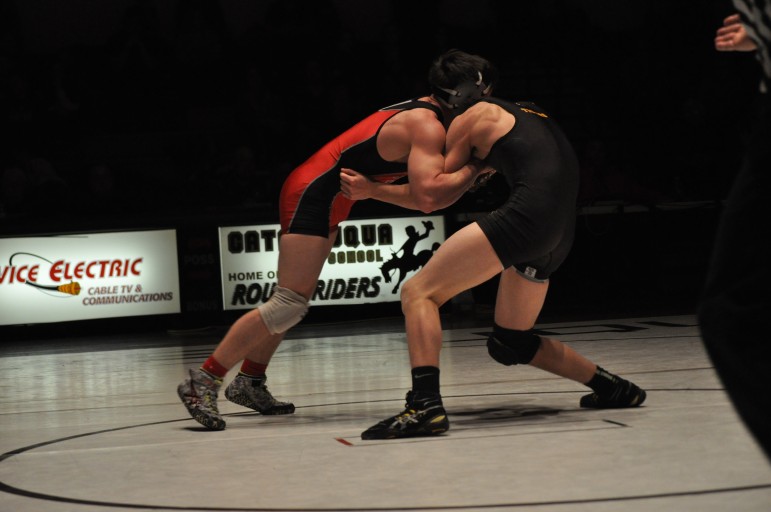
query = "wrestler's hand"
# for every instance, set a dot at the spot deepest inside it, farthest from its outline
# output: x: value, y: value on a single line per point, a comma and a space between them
x: 482, y: 178
x: 733, y: 37
x: 480, y: 167
x: 355, y: 185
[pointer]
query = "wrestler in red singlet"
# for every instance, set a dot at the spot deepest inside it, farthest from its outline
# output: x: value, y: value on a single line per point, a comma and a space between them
x: 311, y: 202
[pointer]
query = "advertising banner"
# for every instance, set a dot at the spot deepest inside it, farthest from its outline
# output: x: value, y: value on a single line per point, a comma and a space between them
x: 370, y: 261
x: 87, y: 276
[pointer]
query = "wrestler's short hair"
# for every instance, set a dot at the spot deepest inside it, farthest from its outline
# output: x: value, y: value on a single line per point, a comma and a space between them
x: 458, y: 79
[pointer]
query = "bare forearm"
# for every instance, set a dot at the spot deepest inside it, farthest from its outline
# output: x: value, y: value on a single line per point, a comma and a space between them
x: 425, y: 193
x: 442, y: 191
x: 399, y: 195
x: 446, y: 188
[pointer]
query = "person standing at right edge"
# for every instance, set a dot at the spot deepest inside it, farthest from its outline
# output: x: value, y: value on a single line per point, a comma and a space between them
x: 735, y: 304
x: 524, y: 241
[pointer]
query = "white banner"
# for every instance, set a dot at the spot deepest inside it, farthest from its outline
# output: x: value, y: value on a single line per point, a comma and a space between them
x: 87, y: 276
x: 370, y: 261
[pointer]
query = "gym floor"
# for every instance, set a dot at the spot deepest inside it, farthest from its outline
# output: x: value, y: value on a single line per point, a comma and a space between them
x: 94, y: 424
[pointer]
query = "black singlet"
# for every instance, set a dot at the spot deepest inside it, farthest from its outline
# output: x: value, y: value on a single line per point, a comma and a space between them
x: 534, y: 229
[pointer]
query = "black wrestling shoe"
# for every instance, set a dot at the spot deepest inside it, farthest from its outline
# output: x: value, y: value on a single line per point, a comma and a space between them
x: 625, y: 394
x: 423, y: 416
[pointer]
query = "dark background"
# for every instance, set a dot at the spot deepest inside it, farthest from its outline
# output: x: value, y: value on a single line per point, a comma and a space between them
x: 128, y: 114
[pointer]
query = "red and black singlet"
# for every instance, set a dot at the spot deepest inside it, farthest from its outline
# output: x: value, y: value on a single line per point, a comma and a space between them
x: 311, y: 202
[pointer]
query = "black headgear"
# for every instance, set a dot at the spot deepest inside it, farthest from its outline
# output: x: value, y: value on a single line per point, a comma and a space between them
x: 464, y: 95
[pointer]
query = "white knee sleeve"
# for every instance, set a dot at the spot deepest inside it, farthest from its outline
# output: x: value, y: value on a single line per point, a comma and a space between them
x: 283, y: 310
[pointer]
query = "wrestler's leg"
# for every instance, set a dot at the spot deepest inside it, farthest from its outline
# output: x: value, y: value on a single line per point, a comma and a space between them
x: 465, y: 260
x: 300, y: 260
x: 517, y: 306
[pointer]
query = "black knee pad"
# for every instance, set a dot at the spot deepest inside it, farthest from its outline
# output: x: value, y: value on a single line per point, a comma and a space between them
x: 509, y: 347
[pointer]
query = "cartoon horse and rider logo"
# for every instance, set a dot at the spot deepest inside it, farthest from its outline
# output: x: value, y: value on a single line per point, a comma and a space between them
x: 408, y: 261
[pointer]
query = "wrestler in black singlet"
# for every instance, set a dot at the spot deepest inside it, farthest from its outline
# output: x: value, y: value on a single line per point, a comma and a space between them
x: 534, y: 229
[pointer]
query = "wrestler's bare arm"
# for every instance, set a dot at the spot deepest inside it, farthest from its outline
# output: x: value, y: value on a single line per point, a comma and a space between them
x: 429, y: 187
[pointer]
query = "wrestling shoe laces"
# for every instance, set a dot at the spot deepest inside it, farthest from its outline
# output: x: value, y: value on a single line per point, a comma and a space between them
x: 423, y: 416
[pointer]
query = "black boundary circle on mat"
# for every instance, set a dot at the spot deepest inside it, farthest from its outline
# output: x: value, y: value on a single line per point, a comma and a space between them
x: 48, y: 497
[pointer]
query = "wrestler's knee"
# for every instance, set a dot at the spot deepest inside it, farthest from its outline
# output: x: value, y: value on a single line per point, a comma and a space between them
x: 408, y: 293
x: 510, y: 346
x: 412, y: 293
x: 283, y: 310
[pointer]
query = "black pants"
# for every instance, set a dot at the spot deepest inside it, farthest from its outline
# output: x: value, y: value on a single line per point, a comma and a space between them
x: 735, y: 309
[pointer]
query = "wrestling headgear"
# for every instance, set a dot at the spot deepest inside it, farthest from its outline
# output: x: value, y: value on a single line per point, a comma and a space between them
x: 464, y: 95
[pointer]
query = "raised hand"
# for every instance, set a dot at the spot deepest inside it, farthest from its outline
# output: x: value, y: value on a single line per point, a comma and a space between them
x: 733, y: 37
